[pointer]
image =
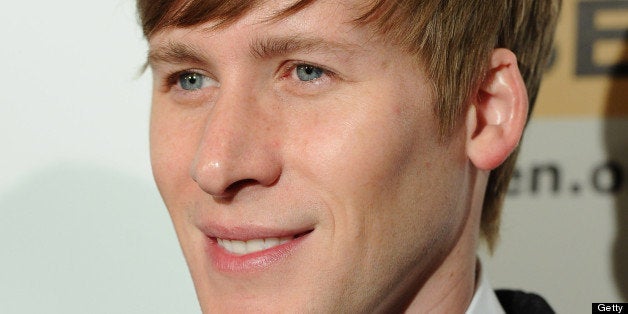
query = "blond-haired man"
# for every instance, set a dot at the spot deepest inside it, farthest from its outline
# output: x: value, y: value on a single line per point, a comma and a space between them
x: 341, y: 156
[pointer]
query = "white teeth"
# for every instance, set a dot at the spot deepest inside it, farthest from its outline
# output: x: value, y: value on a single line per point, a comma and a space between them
x: 238, y: 247
x: 270, y: 242
x: 251, y: 246
x: 254, y: 245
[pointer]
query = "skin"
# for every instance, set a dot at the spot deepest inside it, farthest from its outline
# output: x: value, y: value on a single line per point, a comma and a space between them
x: 353, y: 157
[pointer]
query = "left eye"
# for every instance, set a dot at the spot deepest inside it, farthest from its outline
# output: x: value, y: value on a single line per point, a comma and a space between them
x: 307, y: 72
x: 194, y: 81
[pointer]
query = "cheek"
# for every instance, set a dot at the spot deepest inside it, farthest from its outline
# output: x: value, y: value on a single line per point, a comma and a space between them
x: 174, y: 138
x: 356, y: 153
x: 367, y: 163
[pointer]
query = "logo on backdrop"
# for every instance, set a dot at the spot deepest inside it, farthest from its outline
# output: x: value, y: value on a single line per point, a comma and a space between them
x: 588, y: 75
x: 600, y: 31
x: 550, y: 178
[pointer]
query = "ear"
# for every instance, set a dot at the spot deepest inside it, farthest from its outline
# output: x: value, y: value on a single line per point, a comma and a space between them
x: 495, y: 121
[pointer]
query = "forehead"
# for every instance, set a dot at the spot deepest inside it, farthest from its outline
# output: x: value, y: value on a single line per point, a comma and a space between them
x: 162, y: 14
x: 320, y: 26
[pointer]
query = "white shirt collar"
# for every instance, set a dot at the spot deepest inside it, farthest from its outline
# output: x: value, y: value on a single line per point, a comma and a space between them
x: 484, y: 299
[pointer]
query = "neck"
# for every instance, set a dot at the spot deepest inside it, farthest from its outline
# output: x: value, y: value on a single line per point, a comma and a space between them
x: 450, y: 288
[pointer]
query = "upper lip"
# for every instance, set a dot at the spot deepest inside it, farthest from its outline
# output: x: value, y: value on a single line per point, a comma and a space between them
x: 246, y: 232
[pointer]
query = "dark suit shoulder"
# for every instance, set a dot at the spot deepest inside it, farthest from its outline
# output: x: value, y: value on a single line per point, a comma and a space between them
x: 515, y: 302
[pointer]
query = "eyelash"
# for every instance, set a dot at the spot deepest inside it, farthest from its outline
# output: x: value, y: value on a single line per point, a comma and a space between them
x: 292, y: 67
x: 172, y: 79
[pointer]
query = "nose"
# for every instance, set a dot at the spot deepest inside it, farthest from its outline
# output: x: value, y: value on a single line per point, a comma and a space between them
x: 238, y: 148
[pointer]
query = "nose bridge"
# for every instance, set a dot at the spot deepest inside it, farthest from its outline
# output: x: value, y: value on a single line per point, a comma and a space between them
x: 234, y: 147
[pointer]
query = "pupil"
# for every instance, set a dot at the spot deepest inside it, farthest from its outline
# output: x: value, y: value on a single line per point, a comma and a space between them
x: 309, y: 70
x: 192, y: 79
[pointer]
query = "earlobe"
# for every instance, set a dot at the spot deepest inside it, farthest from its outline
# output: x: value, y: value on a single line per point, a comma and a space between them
x: 495, y: 121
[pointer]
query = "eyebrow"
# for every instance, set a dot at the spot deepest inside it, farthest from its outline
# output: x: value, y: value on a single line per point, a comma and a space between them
x: 262, y: 48
x: 176, y: 53
x: 265, y: 48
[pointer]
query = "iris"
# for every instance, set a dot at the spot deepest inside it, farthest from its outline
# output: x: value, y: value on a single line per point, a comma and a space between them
x: 191, y: 81
x: 308, y: 72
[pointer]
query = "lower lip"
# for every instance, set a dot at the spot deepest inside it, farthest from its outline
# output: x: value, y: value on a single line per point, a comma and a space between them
x: 227, y: 262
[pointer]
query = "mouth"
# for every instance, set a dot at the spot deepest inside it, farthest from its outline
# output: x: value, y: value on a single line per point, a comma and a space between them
x: 241, y: 250
x: 241, y: 247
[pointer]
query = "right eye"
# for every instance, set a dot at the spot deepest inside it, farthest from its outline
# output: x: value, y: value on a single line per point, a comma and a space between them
x: 306, y: 73
x: 194, y: 81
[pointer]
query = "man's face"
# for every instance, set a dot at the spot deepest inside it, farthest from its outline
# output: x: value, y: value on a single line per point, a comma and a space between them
x: 300, y: 162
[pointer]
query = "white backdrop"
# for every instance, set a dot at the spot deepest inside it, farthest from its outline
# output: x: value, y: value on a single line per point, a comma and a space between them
x: 82, y: 227
x: 83, y: 230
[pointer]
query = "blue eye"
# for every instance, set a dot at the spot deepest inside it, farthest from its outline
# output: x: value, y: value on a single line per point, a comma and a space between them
x: 308, y: 72
x: 194, y: 81
x: 191, y: 81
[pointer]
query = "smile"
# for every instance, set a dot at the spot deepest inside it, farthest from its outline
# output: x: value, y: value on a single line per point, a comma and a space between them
x: 242, y: 249
x: 251, y: 246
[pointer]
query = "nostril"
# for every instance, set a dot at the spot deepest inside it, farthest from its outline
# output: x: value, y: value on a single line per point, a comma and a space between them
x: 235, y: 187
